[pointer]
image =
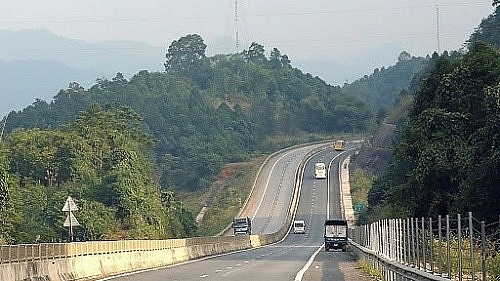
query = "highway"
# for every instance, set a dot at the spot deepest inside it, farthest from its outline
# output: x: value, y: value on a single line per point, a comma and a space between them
x: 287, y: 259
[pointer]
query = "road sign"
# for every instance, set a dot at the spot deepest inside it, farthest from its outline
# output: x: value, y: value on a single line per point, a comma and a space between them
x: 70, y: 205
x: 73, y: 222
x: 359, y: 207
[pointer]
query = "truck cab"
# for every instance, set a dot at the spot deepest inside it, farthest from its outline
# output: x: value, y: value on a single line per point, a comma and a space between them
x: 336, y: 234
x: 299, y: 226
x: 242, y: 226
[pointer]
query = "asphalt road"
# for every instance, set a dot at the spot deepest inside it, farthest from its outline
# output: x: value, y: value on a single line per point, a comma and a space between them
x: 287, y: 259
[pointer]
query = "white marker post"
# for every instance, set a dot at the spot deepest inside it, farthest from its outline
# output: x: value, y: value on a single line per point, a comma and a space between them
x: 70, y: 221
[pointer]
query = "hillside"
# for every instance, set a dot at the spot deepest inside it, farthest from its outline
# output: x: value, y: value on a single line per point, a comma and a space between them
x: 205, y: 112
x: 382, y: 87
x: 376, y: 152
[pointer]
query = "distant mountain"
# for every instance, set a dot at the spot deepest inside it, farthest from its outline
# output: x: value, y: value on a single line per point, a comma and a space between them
x: 382, y: 87
x: 51, y: 62
x: 25, y: 53
x: 25, y: 81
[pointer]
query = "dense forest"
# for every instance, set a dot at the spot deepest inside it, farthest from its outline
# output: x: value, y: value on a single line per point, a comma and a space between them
x: 123, y: 147
x: 382, y: 87
x: 447, y: 156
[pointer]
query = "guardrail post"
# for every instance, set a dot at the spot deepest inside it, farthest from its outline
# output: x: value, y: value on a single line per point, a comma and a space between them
x: 423, y: 245
x: 408, y: 242
x: 471, y: 241
x: 448, y: 246
x: 483, y: 250
x: 413, y: 254
x: 440, y: 248
x: 431, y: 248
x: 417, y: 242
x: 459, y: 247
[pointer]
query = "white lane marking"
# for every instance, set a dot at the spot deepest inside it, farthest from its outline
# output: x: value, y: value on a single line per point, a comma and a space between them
x: 204, y: 276
x: 299, y: 275
x: 218, y: 270
x: 267, y: 183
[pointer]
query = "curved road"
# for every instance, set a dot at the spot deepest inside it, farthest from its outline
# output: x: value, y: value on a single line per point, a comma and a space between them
x: 285, y: 260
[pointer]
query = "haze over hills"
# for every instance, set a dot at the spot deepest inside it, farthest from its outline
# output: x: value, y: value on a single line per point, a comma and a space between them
x: 50, y: 62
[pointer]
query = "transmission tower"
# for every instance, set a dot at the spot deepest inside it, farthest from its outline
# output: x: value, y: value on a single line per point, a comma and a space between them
x: 437, y: 29
x: 237, y: 23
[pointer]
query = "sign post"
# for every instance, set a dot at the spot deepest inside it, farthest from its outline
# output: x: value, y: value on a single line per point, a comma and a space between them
x: 70, y: 221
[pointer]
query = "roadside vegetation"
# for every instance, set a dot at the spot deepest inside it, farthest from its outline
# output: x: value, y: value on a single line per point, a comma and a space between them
x: 235, y: 187
x: 360, y: 182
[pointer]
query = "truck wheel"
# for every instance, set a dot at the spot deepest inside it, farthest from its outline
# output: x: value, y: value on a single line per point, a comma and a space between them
x: 326, y: 249
x: 344, y: 249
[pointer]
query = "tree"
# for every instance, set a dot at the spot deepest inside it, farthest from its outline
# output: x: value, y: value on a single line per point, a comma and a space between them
x: 404, y: 56
x: 184, y: 54
x: 255, y: 53
x: 275, y: 58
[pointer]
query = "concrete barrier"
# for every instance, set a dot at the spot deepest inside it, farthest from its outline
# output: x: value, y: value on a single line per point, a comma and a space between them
x: 82, y: 265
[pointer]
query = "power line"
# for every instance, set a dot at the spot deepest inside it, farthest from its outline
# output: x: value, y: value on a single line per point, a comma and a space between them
x: 313, y: 13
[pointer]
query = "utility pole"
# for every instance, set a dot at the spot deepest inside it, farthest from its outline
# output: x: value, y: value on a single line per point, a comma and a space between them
x: 437, y: 29
x: 236, y: 21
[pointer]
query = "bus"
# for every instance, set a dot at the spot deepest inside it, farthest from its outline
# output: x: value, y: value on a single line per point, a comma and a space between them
x: 339, y: 145
x: 320, y: 170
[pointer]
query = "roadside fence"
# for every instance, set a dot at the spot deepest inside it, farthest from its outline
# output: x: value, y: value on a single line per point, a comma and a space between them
x: 458, y: 248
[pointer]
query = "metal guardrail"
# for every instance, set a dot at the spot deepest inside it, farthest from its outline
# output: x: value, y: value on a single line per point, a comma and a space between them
x: 460, y: 248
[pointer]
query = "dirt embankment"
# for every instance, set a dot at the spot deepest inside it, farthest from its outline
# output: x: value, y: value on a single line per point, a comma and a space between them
x: 228, y: 175
x: 377, y: 151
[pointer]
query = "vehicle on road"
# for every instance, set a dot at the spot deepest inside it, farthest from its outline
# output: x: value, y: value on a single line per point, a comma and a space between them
x: 242, y: 226
x: 320, y: 170
x: 336, y: 234
x: 339, y: 145
x: 299, y: 226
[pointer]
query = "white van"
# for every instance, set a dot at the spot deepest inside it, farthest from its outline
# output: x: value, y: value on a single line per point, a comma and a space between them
x: 299, y: 226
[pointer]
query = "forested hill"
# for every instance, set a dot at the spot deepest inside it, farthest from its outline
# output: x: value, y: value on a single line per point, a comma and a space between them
x: 447, y: 153
x: 447, y: 159
x: 382, y: 87
x: 488, y: 30
x: 207, y: 111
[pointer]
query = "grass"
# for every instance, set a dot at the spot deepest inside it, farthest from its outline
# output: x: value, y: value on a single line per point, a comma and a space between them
x: 360, y: 182
x: 370, y: 270
x: 232, y: 188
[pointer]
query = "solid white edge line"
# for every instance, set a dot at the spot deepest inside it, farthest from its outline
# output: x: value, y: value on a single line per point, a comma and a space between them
x: 300, y: 274
x: 267, y: 182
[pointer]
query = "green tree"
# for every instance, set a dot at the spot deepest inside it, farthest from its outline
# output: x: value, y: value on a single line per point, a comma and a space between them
x: 255, y: 53
x: 185, y: 54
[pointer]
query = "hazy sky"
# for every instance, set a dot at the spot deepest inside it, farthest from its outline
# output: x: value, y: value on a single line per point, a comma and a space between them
x: 304, y: 30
